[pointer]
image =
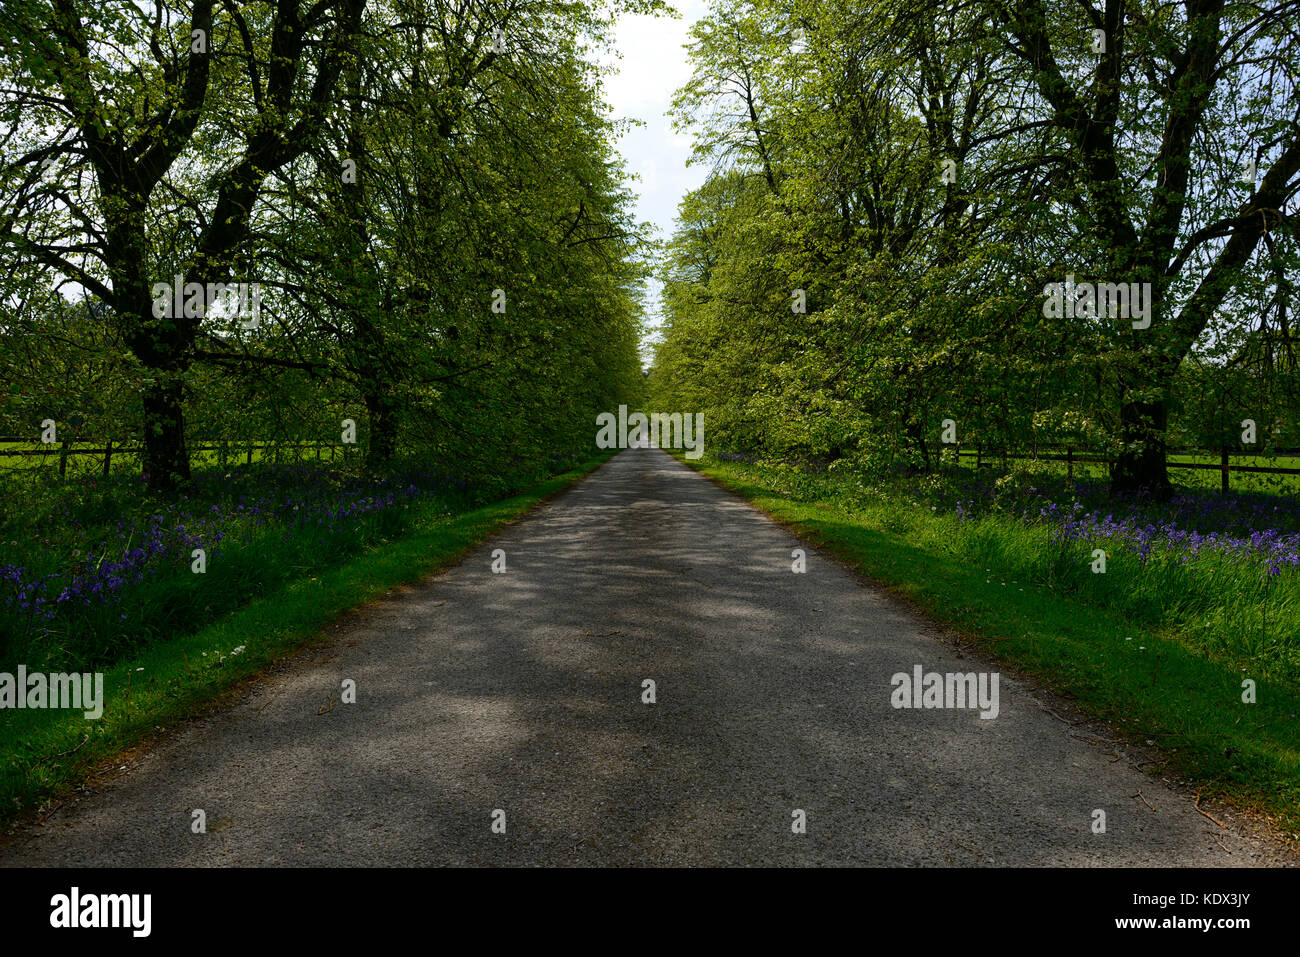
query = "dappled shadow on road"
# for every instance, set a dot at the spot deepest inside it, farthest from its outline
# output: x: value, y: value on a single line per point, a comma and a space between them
x: 523, y: 692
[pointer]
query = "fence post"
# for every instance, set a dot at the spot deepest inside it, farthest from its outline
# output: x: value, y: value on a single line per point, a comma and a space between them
x: 979, y: 455
x: 1223, y: 467
x: 108, y: 456
x: 249, y: 460
x: 63, y: 458
x: 1069, y: 465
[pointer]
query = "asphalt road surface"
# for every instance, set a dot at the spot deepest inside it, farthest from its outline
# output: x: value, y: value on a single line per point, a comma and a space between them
x: 523, y: 692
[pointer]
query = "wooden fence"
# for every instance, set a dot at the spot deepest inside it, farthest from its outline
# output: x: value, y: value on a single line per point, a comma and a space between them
x: 1068, y: 455
x: 68, y: 449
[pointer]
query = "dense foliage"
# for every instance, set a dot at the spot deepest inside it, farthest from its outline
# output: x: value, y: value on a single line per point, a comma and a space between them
x: 424, y: 192
x: 895, y: 187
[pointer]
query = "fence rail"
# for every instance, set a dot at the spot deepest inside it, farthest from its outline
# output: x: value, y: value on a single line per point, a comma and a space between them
x: 68, y: 449
x: 1224, y: 465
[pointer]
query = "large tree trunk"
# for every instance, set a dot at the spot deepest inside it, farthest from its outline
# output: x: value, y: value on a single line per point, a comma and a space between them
x: 166, y: 457
x: 161, y: 345
x: 382, y: 446
x: 1140, y: 466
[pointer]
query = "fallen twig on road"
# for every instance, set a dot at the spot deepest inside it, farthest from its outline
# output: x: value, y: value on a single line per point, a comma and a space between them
x: 1197, y: 805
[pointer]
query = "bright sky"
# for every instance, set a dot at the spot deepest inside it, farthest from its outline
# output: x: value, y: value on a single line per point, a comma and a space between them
x: 652, y: 67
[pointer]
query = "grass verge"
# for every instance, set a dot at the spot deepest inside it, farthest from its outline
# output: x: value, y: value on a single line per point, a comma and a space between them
x: 1146, y: 684
x: 44, y: 751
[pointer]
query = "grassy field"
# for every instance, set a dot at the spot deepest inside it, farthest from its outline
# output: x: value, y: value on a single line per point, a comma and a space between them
x: 164, y: 681
x: 1158, y: 645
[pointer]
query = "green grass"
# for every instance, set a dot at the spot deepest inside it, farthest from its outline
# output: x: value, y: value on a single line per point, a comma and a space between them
x: 112, y: 562
x: 44, y: 751
x: 1137, y: 664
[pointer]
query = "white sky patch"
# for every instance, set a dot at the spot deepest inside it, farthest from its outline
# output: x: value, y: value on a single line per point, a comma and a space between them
x: 649, y: 179
x: 653, y: 66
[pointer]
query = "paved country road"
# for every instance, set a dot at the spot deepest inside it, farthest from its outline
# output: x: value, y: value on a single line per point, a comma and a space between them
x: 523, y: 692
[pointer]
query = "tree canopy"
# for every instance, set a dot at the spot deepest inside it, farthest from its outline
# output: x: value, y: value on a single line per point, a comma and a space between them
x: 896, y: 190
x: 423, y: 193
